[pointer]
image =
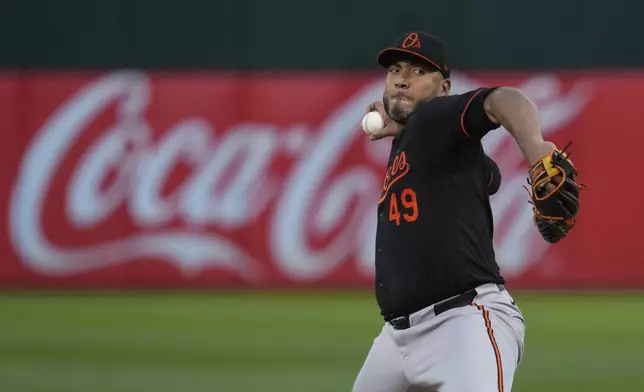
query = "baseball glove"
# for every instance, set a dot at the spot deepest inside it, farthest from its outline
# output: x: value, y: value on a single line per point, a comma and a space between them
x: 555, y: 194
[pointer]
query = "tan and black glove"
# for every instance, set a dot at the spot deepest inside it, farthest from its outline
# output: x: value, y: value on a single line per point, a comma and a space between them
x: 554, y: 194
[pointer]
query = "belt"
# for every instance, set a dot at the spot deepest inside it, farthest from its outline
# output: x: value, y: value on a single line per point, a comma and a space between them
x: 463, y: 299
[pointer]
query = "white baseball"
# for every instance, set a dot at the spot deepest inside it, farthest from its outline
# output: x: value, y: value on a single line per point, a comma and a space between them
x: 372, y: 122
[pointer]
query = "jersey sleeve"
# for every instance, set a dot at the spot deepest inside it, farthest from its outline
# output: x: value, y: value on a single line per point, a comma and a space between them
x: 493, y: 175
x: 474, y: 122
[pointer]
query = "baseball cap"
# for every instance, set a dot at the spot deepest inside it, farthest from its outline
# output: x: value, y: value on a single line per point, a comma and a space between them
x: 425, y: 46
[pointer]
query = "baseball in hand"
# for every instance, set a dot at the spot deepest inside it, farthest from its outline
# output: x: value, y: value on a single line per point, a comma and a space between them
x: 372, y: 122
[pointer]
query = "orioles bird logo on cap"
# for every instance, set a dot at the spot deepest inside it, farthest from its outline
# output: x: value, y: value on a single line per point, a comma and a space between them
x: 410, y: 41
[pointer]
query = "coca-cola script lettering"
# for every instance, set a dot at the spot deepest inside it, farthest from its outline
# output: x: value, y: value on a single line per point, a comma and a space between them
x: 280, y: 191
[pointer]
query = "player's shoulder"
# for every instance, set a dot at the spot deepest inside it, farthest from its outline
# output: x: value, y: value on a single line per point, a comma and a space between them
x: 463, y: 99
x: 433, y: 109
x: 453, y: 103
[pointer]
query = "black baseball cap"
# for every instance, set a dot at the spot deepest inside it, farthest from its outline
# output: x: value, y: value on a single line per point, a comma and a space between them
x: 424, y: 46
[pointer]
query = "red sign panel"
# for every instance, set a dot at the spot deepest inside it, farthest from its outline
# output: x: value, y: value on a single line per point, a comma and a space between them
x: 130, y: 179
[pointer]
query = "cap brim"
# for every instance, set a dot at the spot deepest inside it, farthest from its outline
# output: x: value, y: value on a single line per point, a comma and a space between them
x: 389, y: 56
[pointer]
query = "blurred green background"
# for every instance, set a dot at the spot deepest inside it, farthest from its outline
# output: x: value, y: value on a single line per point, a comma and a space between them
x: 323, y: 35
x: 238, y: 342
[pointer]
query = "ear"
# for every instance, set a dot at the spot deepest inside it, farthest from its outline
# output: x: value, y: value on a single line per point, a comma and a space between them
x: 445, y: 87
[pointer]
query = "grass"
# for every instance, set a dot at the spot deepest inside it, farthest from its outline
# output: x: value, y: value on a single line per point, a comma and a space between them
x: 233, y: 342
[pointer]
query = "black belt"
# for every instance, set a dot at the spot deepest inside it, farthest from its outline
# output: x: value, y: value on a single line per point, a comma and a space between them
x: 459, y: 301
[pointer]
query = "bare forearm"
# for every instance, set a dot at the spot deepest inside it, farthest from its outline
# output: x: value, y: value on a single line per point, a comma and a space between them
x: 511, y: 108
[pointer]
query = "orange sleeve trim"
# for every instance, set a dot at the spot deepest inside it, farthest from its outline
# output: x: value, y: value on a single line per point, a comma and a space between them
x: 497, y: 352
x: 491, y: 178
x: 467, y: 106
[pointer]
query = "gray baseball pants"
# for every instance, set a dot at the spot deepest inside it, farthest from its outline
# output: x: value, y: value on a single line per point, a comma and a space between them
x: 471, y: 348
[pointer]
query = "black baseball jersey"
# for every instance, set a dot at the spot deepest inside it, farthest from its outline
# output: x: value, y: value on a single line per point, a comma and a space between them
x: 492, y: 172
x: 435, y: 225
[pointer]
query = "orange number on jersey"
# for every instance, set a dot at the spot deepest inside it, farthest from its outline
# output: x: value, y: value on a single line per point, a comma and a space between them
x: 408, y: 198
x: 394, y: 214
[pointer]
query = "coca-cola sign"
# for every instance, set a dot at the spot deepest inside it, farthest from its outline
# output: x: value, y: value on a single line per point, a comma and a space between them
x: 264, y: 181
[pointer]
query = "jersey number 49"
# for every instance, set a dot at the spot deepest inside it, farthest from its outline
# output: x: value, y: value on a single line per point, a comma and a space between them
x: 409, y: 204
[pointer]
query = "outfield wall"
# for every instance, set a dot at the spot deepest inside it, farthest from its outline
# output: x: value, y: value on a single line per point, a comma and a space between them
x: 131, y: 179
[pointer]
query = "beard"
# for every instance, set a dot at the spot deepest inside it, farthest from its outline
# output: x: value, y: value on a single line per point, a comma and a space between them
x: 396, y: 112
